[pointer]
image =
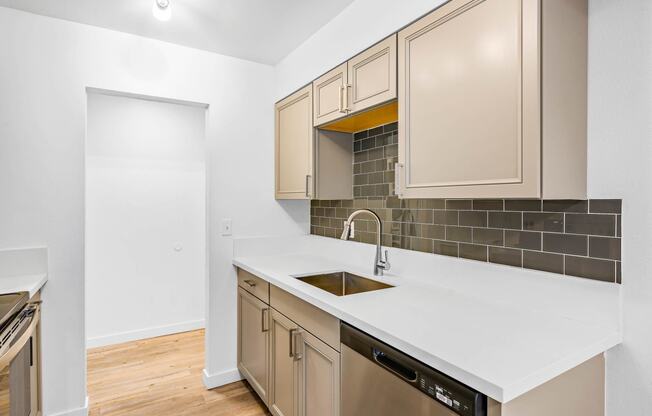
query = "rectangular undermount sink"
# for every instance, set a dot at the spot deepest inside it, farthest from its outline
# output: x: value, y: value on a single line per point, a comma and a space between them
x: 343, y: 283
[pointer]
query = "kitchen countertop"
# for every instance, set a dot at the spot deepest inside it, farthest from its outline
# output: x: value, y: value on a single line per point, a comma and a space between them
x: 31, y: 283
x: 499, y: 329
x: 23, y: 270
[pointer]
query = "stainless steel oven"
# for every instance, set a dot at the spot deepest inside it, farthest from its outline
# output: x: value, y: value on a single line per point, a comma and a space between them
x: 19, y: 355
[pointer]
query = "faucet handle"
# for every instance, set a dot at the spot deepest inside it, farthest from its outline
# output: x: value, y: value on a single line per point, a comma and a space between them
x: 386, y: 265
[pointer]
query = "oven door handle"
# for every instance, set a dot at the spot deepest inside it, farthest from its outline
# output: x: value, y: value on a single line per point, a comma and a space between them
x: 20, y: 338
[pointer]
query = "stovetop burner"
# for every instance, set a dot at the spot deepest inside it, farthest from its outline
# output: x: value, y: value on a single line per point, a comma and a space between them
x: 10, y: 305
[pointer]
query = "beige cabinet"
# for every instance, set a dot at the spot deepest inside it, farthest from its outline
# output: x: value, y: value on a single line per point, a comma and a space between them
x: 294, y: 372
x: 305, y: 366
x: 319, y: 376
x: 310, y: 164
x: 294, y: 146
x: 372, y: 76
x: 283, y: 399
x: 492, y: 101
x: 363, y: 82
x: 253, y: 342
x: 305, y: 372
x: 329, y: 95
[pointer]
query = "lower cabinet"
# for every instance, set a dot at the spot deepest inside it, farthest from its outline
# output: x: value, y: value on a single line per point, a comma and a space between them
x: 305, y: 372
x: 293, y: 371
x: 253, y: 342
x: 284, y: 367
x: 318, y: 376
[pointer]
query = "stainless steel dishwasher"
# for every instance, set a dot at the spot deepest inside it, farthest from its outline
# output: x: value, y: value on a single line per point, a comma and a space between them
x: 378, y: 380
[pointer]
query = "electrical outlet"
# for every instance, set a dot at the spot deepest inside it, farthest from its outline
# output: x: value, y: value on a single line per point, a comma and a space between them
x: 227, y: 227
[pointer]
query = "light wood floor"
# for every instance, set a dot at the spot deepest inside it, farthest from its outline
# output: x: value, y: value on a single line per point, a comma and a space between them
x: 162, y: 377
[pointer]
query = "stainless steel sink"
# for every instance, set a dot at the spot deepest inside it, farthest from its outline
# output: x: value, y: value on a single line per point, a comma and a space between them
x: 343, y: 283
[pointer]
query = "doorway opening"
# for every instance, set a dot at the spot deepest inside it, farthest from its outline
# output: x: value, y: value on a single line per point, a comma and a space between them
x: 145, y: 236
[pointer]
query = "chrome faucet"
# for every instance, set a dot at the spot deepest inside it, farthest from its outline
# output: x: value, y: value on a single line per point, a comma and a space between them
x: 379, y: 264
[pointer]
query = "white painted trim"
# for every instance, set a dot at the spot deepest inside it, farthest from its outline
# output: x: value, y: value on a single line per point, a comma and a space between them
x: 80, y: 411
x: 115, y: 93
x: 144, y: 333
x: 212, y: 381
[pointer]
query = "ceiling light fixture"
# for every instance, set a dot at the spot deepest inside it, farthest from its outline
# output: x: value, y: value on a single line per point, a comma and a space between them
x: 162, y: 10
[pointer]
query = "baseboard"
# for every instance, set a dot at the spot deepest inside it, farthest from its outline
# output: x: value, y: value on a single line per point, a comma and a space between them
x: 212, y: 381
x: 144, y: 333
x: 80, y: 411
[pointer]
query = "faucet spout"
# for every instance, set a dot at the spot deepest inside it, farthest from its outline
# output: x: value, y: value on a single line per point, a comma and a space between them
x: 379, y: 264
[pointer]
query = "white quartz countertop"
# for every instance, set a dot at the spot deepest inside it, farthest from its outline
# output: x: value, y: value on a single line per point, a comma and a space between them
x: 23, y: 270
x: 31, y: 283
x: 488, y: 335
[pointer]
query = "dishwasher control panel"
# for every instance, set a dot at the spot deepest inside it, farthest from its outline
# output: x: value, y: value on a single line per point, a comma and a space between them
x: 464, y: 406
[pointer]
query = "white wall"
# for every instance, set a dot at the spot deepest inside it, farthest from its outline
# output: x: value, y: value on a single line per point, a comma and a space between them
x: 620, y: 147
x: 145, y: 218
x: 620, y: 165
x: 45, y: 67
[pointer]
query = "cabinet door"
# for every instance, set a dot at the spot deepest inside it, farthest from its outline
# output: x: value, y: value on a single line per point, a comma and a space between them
x: 372, y: 76
x: 294, y: 141
x: 253, y: 342
x: 284, y: 383
x: 329, y: 95
x: 319, y: 376
x: 469, y: 101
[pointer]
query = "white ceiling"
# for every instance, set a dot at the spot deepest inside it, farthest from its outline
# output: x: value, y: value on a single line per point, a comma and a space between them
x: 258, y: 30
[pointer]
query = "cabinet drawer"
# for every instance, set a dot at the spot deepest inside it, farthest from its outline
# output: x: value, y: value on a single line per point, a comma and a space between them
x: 254, y: 285
x: 319, y: 323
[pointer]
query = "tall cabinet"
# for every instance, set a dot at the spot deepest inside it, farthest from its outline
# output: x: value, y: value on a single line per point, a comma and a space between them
x: 492, y: 100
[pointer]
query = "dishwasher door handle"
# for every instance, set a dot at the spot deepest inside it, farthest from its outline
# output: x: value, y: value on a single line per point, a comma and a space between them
x: 394, y: 366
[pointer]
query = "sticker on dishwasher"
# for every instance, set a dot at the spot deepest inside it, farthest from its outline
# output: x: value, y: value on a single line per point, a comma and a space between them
x: 444, y: 399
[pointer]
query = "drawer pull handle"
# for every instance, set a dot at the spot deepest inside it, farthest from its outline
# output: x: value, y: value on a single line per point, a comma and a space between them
x: 293, y: 341
x: 250, y: 282
x: 292, y: 331
x: 265, y: 314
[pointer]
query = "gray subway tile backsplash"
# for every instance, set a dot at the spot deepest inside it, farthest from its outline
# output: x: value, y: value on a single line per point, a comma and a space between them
x: 573, y: 237
x: 565, y: 243
x: 547, y: 262
x: 565, y: 205
x: 523, y: 239
x: 605, y: 206
x: 473, y: 252
x: 594, y: 224
x: 543, y: 221
x: 592, y: 268
x: 473, y: 218
x: 508, y: 256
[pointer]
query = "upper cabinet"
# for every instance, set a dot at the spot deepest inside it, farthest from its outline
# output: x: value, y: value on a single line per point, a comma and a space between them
x: 363, y: 82
x: 492, y: 101
x: 309, y: 164
x: 372, y: 76
x: 294, y: 146
x: 329, y: 98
